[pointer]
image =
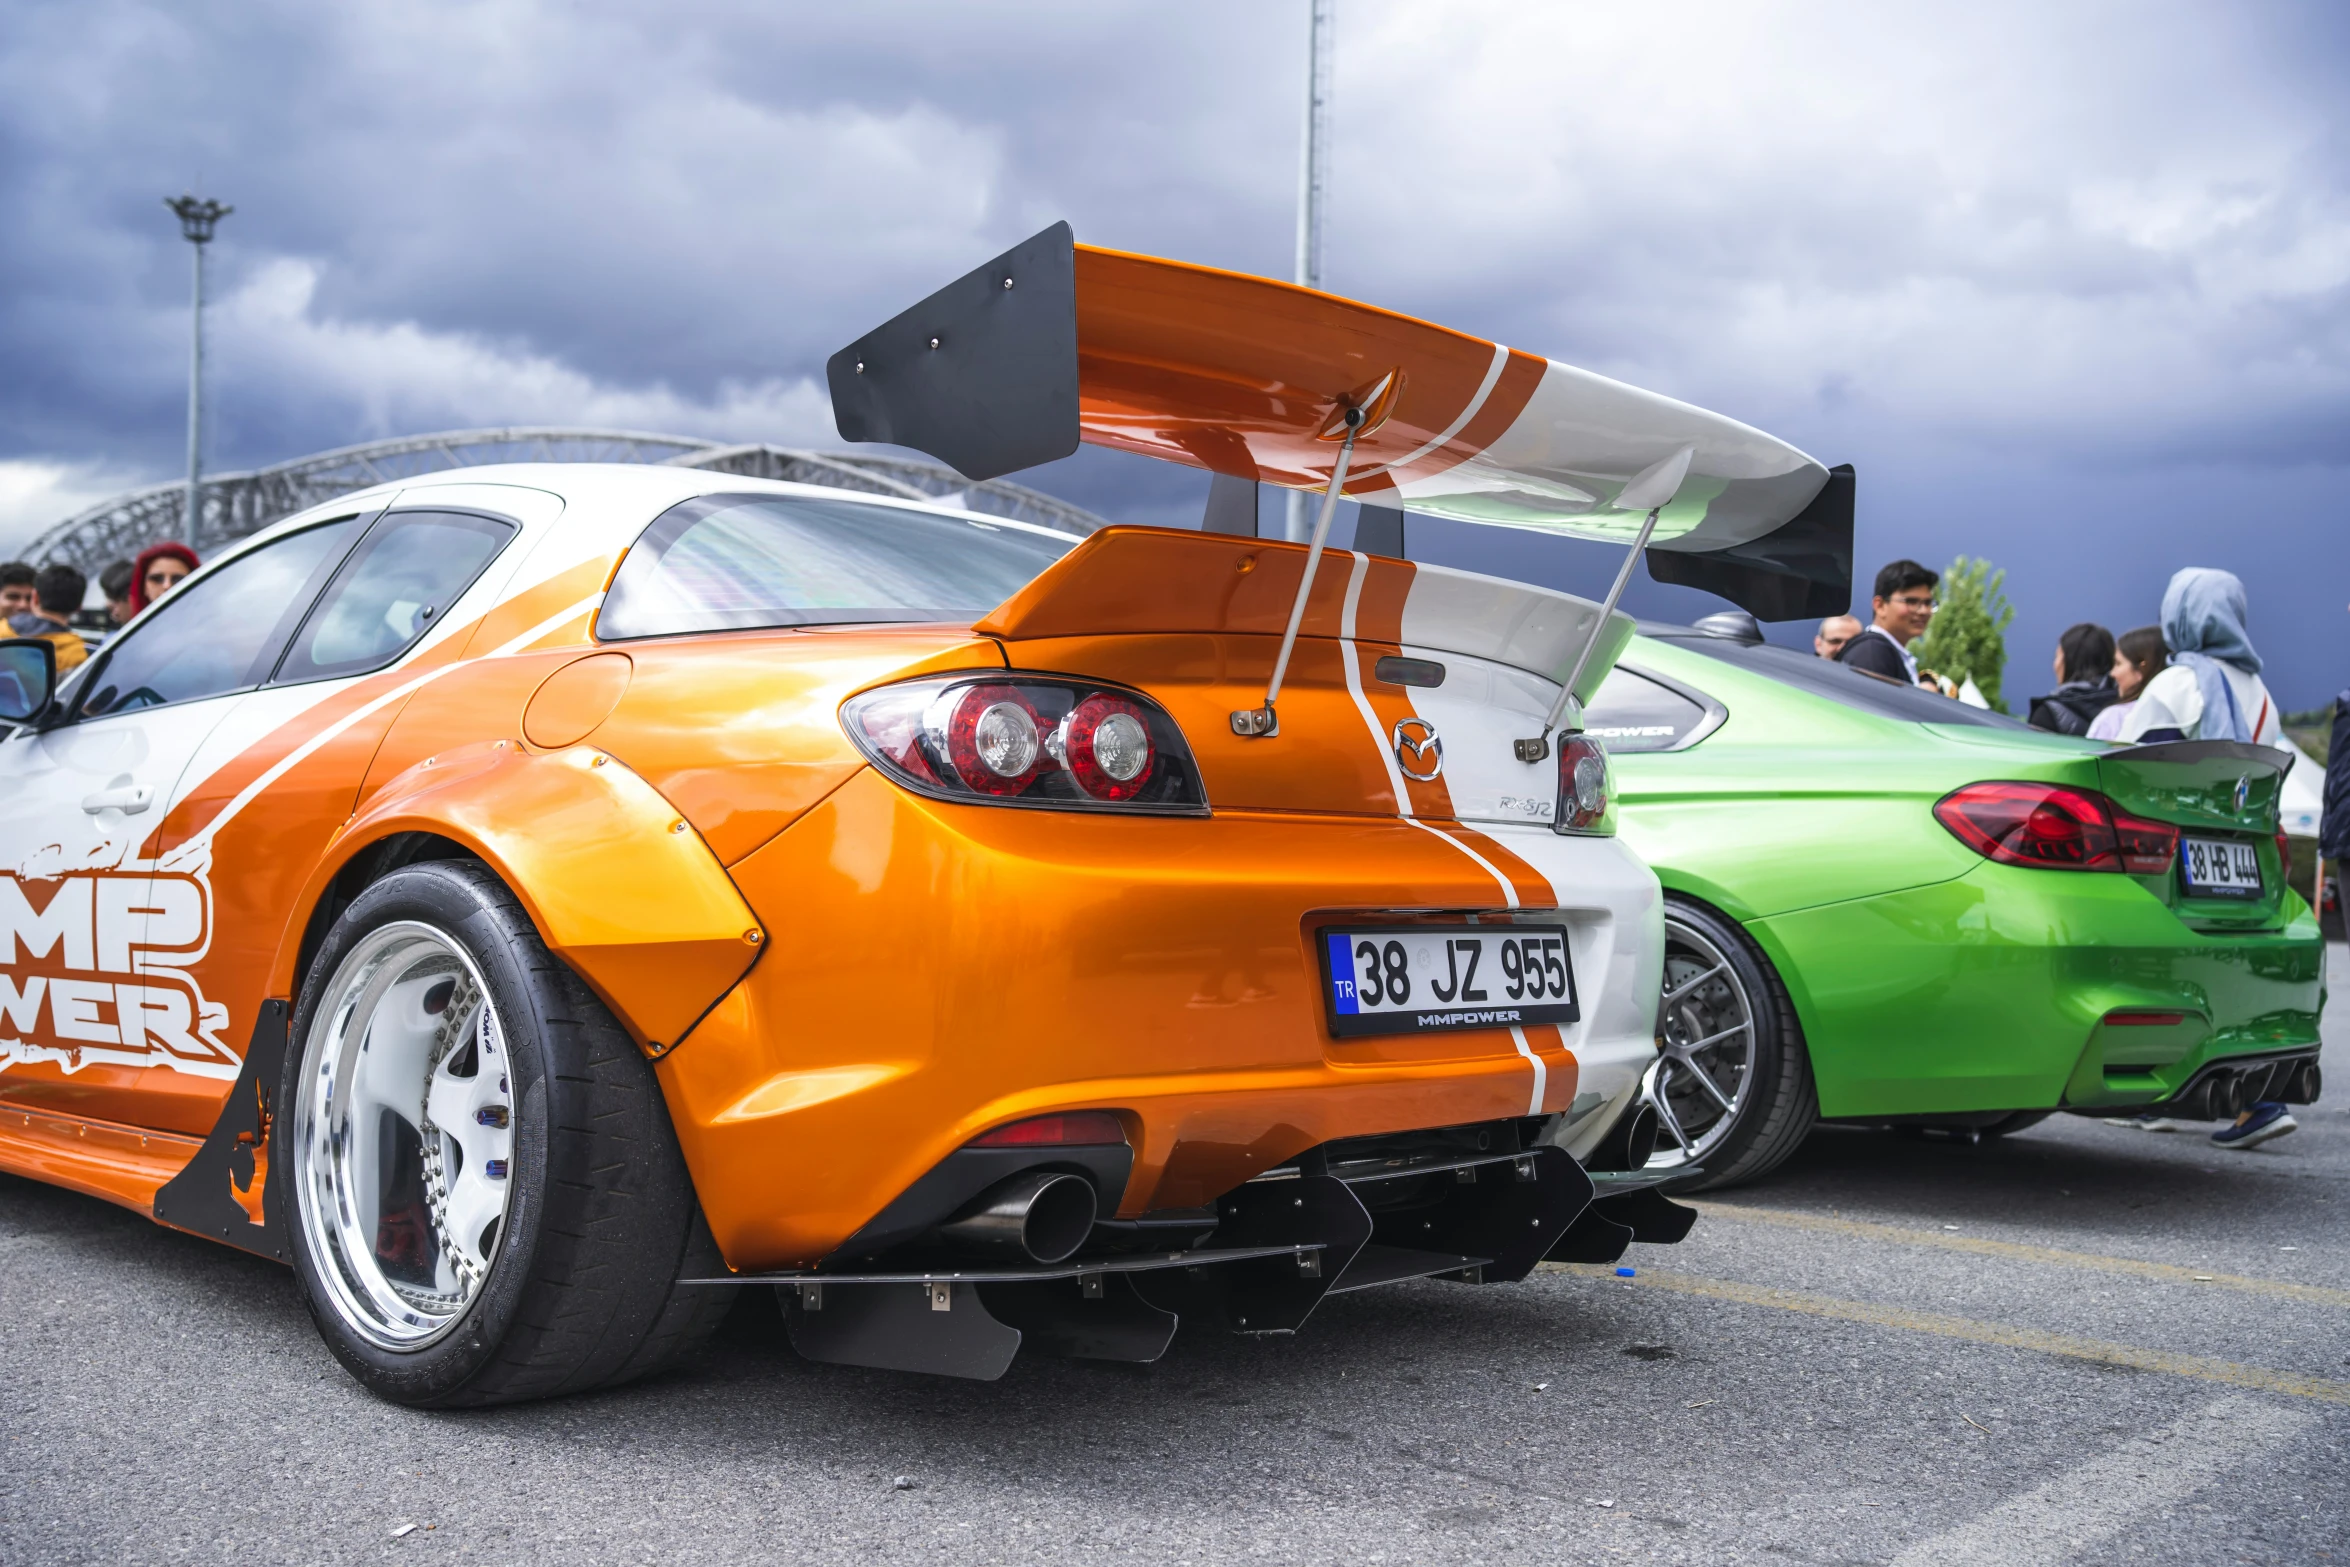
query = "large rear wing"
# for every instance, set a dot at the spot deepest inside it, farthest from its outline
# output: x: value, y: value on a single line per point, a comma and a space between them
x: 1054, y: 343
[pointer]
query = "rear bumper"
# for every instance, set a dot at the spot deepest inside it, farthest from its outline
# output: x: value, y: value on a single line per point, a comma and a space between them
x: 933, y: 970
x: 1994, y: 991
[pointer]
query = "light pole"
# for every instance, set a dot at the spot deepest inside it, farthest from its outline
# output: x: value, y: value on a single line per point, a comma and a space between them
x: 1313, y: 178
x: 196, y: 221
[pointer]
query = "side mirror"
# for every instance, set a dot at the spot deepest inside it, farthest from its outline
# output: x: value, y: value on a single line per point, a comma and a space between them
x: 28, y: 679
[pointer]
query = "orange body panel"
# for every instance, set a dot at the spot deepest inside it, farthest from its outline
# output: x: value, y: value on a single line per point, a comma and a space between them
x: 615, y: 879
x: 98, y: 1158
x: 1290, y: 356
x: 741, y: 732
x: 936, y: 969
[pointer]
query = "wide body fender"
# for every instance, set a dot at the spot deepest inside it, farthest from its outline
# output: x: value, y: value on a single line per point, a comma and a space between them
x: 618, y: 883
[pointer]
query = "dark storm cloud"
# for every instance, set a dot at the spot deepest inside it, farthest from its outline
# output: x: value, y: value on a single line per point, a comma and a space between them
x: 2067, y: 283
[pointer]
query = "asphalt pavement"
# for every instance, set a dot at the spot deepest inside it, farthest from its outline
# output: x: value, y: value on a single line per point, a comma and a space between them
x: 2080, y: 1344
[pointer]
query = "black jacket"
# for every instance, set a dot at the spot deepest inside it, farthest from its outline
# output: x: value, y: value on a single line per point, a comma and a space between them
x: 2073, y: 706
x: 1875, y: 654
x: 2333, y: 828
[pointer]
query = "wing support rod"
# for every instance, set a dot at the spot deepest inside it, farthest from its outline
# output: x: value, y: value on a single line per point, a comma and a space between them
x: 1653, y: 487
x: 1263, y: 722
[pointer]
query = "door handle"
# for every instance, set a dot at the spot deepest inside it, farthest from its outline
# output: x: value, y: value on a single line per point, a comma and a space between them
x: 130, y: 800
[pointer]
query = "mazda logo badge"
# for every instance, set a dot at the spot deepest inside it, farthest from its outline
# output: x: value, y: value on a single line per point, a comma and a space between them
x: 1417, y: 750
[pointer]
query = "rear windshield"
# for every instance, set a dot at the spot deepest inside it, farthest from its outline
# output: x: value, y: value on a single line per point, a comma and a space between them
x: 1841, y: 683
x: 731, y: 562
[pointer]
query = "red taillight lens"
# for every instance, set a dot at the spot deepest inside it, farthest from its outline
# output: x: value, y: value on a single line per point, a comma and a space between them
x: 1586, y: 797
x: 1070, y: 1129
x: 1038, y: 740
x: 2055, y: 828
x: 2042, y: 825
x: 2147, y: 848
x: 2284, y: 856
x: 1106, y: 745
x: 994, y: 741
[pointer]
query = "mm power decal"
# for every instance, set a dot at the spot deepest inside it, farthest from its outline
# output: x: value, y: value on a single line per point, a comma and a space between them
x: 93, y: 969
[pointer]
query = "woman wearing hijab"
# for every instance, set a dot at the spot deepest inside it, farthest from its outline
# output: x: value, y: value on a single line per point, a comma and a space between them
x: 2212, y: 689
x: 157, y: 571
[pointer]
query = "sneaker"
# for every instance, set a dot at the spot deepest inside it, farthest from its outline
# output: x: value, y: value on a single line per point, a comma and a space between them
x: 2144, y: 1123
x: 2267, y: 1120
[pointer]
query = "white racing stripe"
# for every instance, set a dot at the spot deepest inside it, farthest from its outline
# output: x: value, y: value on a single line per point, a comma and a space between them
x: 2057, y: 1522
x: 201, y: 844
x: 1351, y: 663
x: 1501, y: 359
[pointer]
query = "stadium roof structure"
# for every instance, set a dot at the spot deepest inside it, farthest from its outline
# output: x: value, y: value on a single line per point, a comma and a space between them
x: 236, y: 504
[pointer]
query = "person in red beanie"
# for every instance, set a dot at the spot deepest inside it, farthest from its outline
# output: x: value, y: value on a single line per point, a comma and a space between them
x: 157, y: 571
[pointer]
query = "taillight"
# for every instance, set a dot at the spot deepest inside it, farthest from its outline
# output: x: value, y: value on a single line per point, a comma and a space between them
x: 2147, y: 848
x: 1069, y: 1129
x: 1586, y: 797
x: 1037, y: 740
x: 2051, y: 827
x: 2284, y: 856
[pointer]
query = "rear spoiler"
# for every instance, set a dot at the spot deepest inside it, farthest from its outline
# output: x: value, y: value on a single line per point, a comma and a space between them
x: 1055, y: 343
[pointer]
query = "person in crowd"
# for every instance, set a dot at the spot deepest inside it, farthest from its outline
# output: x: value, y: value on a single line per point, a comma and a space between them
x: 2138, y: 656
x: 2211, y: 691
x: 57, y: 593
x: 16, y: 590
x: 2084, y: 681
x: 157, y: 571
x: 115, y: 582
x: 1903, y: 607
x: 1834, y: 632
x: 2212, y: 688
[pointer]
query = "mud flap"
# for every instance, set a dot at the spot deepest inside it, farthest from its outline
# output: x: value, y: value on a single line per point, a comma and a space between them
x: 227, y: 1191
x: 901, y: 1327
x: 1268, y: 1294
x: 1096, y: 1317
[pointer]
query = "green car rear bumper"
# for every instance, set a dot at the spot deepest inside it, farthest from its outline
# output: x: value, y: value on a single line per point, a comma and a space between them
x: 1994, y: 990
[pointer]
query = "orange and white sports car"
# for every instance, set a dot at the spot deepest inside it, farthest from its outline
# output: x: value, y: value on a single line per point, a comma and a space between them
x: 532, y: 900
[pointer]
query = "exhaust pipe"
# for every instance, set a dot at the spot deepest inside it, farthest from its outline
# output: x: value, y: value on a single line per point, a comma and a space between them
x: 1640, y: 1138
x: 1043, y: 1216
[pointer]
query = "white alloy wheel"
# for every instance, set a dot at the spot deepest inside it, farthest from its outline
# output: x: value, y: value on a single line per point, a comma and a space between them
x: 403, y: 1137
x: 1700, y: 1083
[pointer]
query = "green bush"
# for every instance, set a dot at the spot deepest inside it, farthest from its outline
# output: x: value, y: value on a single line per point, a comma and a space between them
x: 1968, y: 639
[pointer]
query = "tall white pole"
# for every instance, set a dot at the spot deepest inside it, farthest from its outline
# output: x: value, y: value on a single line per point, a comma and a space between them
x: 1313, y: 181
x: 192, y: 515
x: 197, y: 220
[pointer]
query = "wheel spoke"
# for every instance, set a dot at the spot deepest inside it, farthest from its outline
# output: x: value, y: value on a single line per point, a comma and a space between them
x: 1705, y: 1080
x: 1692, y: 982
x: 1662, y: 1098
x: 1681, y: 1052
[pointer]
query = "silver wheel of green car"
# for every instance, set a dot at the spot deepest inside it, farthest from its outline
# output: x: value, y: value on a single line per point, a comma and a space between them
x: 1707, y: 1021
x: 1732, y: 1086
x: 403, y: 1136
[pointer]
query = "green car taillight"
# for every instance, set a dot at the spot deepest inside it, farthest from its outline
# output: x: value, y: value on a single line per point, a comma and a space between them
x: 2051, y: 827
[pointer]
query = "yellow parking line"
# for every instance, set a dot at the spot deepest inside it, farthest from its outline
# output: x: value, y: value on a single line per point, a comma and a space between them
x: 2308, y: 1294
x: 2201, y: 1367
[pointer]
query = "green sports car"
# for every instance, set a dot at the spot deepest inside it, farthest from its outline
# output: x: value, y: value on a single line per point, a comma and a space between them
x: 1943, y: 917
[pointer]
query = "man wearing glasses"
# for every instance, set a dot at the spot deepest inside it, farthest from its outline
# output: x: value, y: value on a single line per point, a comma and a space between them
x: 1904, y: 606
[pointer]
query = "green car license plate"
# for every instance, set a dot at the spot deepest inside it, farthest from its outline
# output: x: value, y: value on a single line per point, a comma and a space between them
x: 1411, y: 979
x: 2220, y: 867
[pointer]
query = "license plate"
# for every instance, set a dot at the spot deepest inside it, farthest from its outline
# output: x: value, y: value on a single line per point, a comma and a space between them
x: 2220, y: 867
x: 1412, y: 979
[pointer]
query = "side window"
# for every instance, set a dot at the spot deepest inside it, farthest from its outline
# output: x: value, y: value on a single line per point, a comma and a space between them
x: 221, y: 632
x: 1634, y: 712
x: 408, y: 570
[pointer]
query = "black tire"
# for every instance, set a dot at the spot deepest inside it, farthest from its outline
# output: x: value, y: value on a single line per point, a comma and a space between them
x: 600, y: 1215
x: 1776, y: 1104
x: 2020, y: 1121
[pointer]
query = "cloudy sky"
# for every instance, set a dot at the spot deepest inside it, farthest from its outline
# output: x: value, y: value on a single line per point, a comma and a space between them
x: 2069, y: 284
